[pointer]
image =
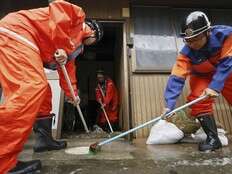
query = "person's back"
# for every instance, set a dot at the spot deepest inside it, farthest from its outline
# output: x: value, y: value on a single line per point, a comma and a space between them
x: 28, y: 39
x: 44, y: 26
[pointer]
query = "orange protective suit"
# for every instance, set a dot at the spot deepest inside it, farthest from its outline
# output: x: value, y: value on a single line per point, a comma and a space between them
x: 28, y: 40
x: 46, y: 106
x: 109, y: 98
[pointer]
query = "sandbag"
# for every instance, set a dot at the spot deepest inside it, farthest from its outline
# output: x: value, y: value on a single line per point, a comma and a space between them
x: 201, y: 136
x: 164, y: 132
x: 184, y: 122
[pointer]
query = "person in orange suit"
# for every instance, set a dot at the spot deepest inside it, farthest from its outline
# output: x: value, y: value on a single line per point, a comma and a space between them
x: 107, y: 95
x: 43, y: 124
x: 29, y: 39
x: 207, y: 58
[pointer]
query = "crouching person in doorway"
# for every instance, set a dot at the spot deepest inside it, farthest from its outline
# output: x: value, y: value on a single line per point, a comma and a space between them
x: 92, y: 33
x: 107, y: 97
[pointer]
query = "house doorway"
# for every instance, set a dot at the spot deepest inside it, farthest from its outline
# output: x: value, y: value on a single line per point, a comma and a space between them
x: 108, y: 55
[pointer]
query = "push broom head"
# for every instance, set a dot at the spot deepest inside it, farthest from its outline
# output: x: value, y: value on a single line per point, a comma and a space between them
x: 94, y: 148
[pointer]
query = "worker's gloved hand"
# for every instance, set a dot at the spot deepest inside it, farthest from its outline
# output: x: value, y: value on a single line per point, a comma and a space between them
x: 77, y: 101
x: 165, y: 111
x: 74, y: 102
x: 100, y: 101
x: 103, y: 105
x: 61, y: 56
x: 210, y: 92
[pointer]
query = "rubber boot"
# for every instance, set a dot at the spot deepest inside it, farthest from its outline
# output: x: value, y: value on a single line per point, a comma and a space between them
x: 29, y: 167
x: 212, y: 141
x: 43, y: 136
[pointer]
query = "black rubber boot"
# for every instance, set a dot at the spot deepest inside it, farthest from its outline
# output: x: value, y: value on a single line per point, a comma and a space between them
x: 209, y: 126
x: 29, y: 167
x: 43, y: 136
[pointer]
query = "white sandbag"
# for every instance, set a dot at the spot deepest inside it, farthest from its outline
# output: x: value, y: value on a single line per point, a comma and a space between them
x: 200, y: 136
x: 164, y: 132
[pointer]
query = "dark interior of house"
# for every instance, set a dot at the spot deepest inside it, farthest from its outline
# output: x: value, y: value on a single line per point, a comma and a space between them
x: 99, y: 56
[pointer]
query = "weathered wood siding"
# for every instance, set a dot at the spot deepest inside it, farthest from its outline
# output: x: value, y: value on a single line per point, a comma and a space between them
x: 184, y: 3
x: 147, y: 102
x: 103, y: 9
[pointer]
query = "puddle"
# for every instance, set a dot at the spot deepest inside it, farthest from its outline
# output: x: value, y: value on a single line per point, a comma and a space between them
x: 78, y: 150
x: 208, y: 162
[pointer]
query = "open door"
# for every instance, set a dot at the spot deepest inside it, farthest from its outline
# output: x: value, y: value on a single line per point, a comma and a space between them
x: 110, y: 55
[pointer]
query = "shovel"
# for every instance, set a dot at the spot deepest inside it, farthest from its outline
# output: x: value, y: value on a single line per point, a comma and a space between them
x: 97, y: 146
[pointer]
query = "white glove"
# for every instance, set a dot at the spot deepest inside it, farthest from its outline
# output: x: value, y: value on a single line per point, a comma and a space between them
x: 210, y: 92
x: 74, y: 103
x: 165, y: 110
x: 61, y: 56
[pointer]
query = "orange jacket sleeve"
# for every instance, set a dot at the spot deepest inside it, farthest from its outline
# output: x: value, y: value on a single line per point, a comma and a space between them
x: 227, y: 48
x: 109, y: 93
x: 66, y: 23
x: 182, y: 66
x: 66, y: 29
x: 98, y: 94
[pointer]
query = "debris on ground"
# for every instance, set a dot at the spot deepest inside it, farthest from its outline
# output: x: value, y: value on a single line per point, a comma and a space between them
x: 185, y: 123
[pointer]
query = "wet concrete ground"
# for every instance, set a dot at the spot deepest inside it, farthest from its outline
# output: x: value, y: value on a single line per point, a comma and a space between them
x: 122, y: 157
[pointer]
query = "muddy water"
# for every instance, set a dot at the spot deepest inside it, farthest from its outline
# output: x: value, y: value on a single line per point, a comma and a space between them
x: 122, y: 157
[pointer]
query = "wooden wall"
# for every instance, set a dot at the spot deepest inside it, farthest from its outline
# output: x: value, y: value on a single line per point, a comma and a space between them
x: 223, y: 113
x: 103, y: 9
x: 8, y: 6
x: 184, y: 3
x: 147, y: 102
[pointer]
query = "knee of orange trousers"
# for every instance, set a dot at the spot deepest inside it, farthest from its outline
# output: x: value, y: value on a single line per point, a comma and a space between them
x: 16, y: 123
x: 7, y: 163
x: 203, y: 107
x: 46, y: 106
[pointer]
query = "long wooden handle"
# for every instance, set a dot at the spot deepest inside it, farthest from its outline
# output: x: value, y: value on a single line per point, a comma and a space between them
x: 73, y: 96
x: 106, y: 116
x: 155, y: 120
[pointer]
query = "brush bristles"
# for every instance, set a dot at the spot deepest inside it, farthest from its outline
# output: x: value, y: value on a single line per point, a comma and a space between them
x: 94, y: 148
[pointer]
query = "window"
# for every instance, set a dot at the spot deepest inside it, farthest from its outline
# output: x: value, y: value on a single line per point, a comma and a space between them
x: 156, y: 35
x: 154, y: 39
